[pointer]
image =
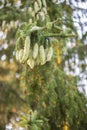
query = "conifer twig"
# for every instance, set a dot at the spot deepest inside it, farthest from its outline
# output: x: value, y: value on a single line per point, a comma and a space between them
x: 59, y: 35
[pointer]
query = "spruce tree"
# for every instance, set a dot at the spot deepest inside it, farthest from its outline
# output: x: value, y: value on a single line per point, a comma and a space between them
x: 37, y: 33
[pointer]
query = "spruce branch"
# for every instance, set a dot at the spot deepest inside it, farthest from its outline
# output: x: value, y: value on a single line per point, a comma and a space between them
x: 57, y: 20
x: 37, y: 28
x: 57, y: 27
x: 59, y: 35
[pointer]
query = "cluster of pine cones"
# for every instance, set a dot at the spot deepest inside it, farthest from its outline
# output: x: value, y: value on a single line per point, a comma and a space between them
x: 38, y: 55
x: 38, y: 11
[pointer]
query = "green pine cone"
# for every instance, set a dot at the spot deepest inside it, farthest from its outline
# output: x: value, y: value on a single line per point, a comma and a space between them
x: 36, y: 7
x: 42, y: 55
x: 30, y: 9
x: 44, y: 10
x: 49, y: 54
x: 35, y: 51
x: 31, y: 62
x: 39, y: 3
x: 26, y: 49
x: 20, y: 55
x: 17, y: 55
x: 42, y: 16
x: 44, y: 3
x: 37, y: 17
x: 30, y: 20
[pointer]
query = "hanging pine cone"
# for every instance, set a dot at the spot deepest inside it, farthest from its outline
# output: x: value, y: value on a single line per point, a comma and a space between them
x: 35, y: 51
x: 38, y: 60
x: 39, y: 3
x: 26, y: 49
x: 17, y: 55
x: 49, y: 54
x: 20, y: 55
x: 44, y: 3
x: 31, y: 62
x: 36, y: 7
x: 30, y: 20
x: 44, y: 10
x: 42, y: 15
x: 42, y: 55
